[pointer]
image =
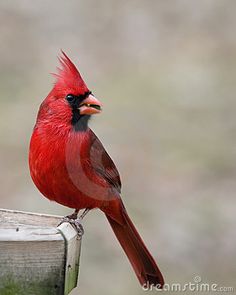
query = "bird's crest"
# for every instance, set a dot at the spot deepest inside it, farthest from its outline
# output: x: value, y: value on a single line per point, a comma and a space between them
x: 68, y: 77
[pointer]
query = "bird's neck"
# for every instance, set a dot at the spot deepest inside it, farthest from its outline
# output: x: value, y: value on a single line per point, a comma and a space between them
x: 80, y: 123
x: 51, y: 131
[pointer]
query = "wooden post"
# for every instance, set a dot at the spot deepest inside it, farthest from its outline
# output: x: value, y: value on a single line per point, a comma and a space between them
x: 36, y: 256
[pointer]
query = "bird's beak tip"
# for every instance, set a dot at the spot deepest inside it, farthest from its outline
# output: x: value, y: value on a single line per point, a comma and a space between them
x: 91, y: 105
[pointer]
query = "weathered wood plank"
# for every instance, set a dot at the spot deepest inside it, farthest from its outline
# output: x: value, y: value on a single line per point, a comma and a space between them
x: 36, y: 258
x: 73, y: 245
x: 13, y: 217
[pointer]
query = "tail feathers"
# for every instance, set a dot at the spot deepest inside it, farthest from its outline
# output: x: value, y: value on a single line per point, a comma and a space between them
x: 141, y: 260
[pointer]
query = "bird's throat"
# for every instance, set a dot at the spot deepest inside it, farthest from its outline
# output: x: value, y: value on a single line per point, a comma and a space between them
x: 79, y: 122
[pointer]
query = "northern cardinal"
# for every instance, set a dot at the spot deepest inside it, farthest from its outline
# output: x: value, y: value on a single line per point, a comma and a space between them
x: 69, y: 165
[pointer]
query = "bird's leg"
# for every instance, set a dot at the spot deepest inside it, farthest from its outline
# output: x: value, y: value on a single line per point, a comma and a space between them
x: 85, y: 212
x: 67, y: 218
x: 74, y: 215
x: 78, y: 222
x: 75, y: 222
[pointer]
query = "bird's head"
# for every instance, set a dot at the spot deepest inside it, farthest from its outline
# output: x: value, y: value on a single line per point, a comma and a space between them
x: 70, y: 100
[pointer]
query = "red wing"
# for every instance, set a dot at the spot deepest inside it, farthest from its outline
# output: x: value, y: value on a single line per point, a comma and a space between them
x: 102, y: 163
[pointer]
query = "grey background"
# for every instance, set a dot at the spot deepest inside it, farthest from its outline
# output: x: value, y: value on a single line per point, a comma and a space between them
x: 165, y: 72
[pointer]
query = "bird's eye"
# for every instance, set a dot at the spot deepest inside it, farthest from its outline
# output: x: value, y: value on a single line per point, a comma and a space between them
x: 70, y: 97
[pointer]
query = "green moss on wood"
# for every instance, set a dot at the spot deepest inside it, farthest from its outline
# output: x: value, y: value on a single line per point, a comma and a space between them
x: 9, y: 286
x: 71, y: 279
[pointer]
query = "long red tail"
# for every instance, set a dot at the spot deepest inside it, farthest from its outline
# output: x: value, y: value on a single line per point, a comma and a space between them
x: 142, y: 261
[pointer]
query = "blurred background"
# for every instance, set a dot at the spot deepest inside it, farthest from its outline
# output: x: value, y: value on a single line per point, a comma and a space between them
x: 165, y: 72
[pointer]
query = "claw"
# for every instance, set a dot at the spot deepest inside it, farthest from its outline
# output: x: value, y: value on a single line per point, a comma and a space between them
x: 79, y: 227
x: 75, y: 222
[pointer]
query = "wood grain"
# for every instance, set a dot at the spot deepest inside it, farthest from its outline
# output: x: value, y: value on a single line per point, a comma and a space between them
x: 35, y: 255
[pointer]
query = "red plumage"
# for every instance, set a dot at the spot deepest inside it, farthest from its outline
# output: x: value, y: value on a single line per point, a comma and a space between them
x: 68, y: 77
x: 69, y: 165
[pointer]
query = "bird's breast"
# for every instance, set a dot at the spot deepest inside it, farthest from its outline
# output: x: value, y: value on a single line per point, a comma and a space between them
x: 60, y: 167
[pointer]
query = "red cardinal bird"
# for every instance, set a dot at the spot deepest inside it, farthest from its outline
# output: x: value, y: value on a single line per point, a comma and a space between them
x: 69, y: 165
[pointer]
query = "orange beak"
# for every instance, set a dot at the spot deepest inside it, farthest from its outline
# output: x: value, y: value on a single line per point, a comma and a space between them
x: 90, y: 105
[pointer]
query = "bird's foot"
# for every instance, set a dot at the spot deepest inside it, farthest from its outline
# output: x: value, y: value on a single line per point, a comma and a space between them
x: 74, y: 215
x: 75, y: 222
